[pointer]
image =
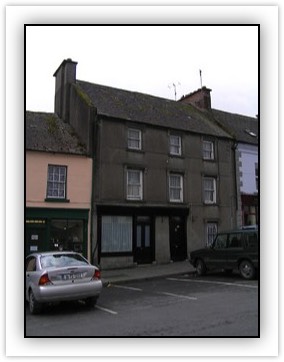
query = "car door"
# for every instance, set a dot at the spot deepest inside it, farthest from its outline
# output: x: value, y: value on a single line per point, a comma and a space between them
x: 30, y: 271
x: 235, y: 250
x: 217, y: 258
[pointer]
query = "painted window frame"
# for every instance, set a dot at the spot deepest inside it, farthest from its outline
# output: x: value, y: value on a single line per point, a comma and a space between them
x: 212, y: 189
x: 173, y: 188
x: 60, y: 182
x: 174, y: 145
x: 208, y: 153
x: 132, y: 139
x: 130, y: 184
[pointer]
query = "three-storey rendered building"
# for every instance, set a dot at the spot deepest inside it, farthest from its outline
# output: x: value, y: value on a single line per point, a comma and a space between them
x: 163, y: 171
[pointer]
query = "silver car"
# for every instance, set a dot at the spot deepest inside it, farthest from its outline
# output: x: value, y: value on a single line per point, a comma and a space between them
x: 60, y: 276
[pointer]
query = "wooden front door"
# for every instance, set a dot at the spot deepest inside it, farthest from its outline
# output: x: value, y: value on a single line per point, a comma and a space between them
x: 143, y: 245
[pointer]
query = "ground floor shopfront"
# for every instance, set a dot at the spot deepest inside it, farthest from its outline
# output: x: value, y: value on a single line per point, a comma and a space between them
x: 250, y: 210
x: 57, y: 229
x: 142, y: 235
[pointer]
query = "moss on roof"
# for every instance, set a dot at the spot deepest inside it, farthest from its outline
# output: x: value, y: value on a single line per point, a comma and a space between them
x: 147, y: 109
x: 47, y: 132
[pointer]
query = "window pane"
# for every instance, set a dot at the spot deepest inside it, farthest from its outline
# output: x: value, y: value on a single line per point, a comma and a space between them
x: 221, y: 242
x: 138, y: 236
x: 211, y: 232
x: 134, y: 139
x: 175, y: 185
x: 147, y: 236
x: 208, y: 150
x: 209, y: 190
x: 56, y: 181
x: 134, y: 184
x: 175, y: 145
x: 116, y: 234
x: 235, y: 241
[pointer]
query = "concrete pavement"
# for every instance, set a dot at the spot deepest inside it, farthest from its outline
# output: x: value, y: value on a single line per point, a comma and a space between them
x: 145, y: 271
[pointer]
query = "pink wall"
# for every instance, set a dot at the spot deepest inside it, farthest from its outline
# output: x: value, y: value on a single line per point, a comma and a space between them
x: 79, y: 182
x: 79, y: 179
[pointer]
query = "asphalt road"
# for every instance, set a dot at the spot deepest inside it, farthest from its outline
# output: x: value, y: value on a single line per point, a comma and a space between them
x: 183, y: 306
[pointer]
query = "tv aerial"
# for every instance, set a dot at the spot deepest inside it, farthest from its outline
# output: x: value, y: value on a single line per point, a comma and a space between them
x: 174, y: 86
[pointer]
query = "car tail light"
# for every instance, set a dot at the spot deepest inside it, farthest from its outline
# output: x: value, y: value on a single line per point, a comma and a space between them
x: 44, y: 280
x: 97, y: 274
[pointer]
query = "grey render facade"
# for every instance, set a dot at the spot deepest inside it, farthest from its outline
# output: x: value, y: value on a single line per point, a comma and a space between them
x: 164, y: 176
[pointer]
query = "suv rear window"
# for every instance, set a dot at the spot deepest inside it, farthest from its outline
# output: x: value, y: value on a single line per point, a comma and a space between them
x: 235, y: 240
x: 251, y: 240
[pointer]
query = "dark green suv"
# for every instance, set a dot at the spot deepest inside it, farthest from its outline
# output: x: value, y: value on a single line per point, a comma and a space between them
x: 236, y: 249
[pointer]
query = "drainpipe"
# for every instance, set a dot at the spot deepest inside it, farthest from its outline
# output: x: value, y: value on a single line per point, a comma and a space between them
x: 234, y: 149
x: 93, y: 113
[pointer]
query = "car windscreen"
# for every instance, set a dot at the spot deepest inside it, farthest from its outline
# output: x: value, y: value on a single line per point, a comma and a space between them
x: 62, y: 260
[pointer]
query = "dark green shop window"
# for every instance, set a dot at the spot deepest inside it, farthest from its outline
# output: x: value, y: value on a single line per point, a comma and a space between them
x: 67, y: 235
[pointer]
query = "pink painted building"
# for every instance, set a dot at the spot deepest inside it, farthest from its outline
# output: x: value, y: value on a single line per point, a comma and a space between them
x: 58, y: 187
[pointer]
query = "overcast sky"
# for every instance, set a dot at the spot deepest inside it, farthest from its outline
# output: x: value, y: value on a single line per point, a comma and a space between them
x: 156, y: 60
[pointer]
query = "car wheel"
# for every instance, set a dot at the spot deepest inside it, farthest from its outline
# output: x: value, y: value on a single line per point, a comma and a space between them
x: 200, y: 267
x: 91, y: 302
x: 247, y: 270
x: 34, y: 305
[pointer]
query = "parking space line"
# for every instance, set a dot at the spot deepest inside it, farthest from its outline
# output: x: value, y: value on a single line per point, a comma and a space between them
x: 130, y: 288
x: 178, y: 296
x: 105, y: 310
x: 214, y: 282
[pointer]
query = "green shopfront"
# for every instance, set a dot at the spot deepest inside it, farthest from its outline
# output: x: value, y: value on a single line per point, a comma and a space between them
x: 56, y: 229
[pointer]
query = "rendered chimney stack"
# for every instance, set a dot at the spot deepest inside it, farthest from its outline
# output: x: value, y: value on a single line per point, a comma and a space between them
x: 65, y: 75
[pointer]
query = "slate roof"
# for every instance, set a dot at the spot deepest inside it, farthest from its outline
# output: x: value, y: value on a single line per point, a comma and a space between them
x: 47, y: 132
x: 148, y: 109
x: 244, y: 129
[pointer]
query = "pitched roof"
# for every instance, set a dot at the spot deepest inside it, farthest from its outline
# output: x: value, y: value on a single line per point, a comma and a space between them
x: 47, y: 132
x: 244, y: 129
x: 144, y: 108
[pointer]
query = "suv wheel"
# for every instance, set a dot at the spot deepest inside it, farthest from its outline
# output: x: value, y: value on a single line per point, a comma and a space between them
x: 200, y: 267
x: 246, y: 269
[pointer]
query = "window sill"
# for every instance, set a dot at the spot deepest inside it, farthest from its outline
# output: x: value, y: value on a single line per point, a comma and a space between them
x: 172, y: 155
x: 135, y: 200
x: 57, y: 200
x: 135, y: 150
x: 209, y: 159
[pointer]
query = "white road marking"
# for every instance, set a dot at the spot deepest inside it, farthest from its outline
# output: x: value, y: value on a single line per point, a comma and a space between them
x: 178, y: 296
x: 105, y: 310
x: 130, y: 288
x: 214, y: 282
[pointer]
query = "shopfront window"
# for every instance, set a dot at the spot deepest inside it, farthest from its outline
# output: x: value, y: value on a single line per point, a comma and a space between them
x: 66, y: 235
x: 116, y: 234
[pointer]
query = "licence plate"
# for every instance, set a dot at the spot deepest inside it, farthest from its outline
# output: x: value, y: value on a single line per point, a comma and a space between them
x: 73, y: 276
